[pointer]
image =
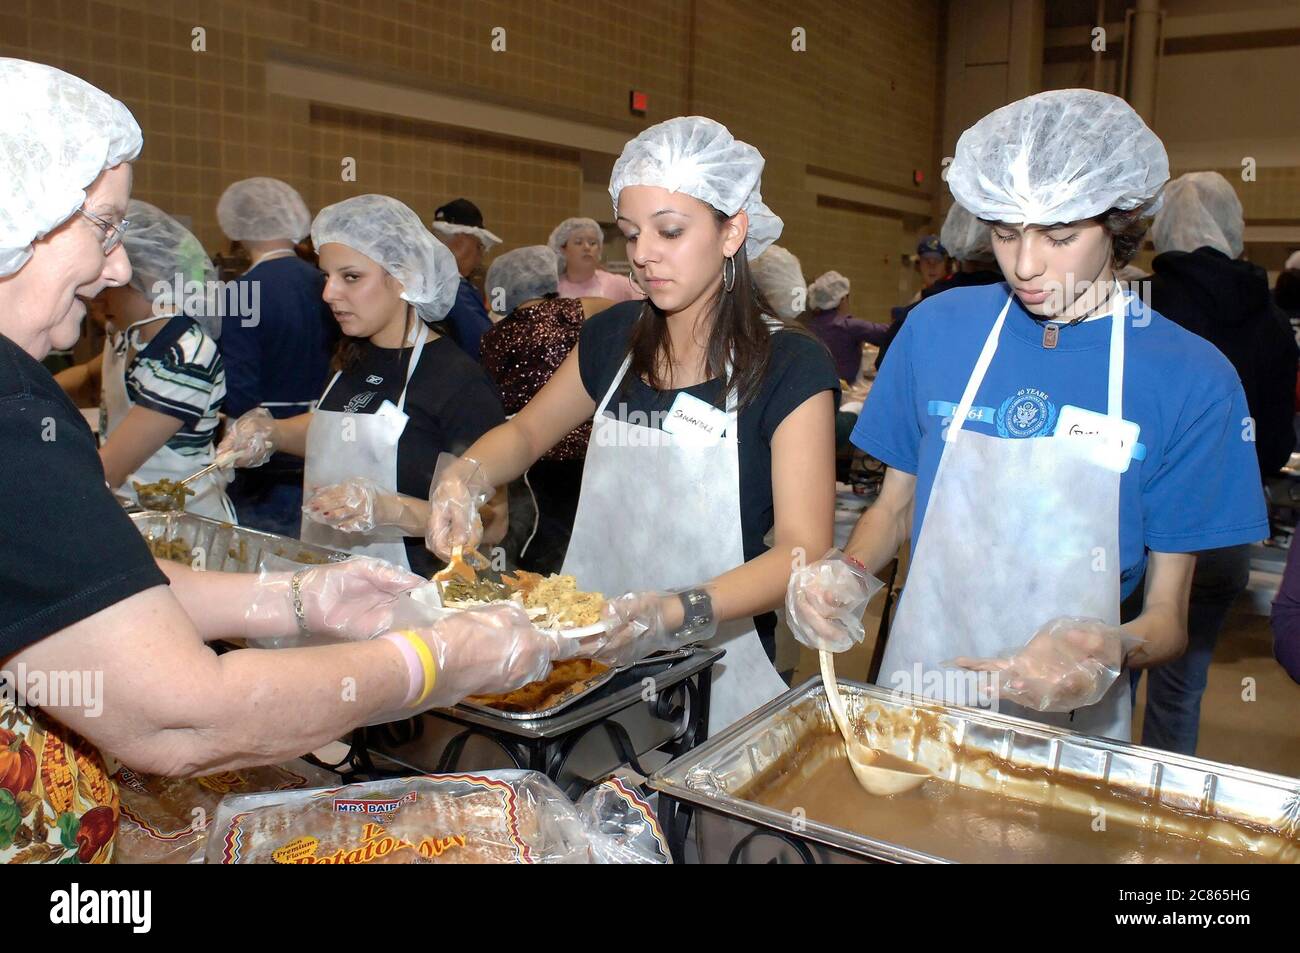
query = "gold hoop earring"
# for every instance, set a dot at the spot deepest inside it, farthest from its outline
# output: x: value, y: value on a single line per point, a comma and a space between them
x: 728, y: 285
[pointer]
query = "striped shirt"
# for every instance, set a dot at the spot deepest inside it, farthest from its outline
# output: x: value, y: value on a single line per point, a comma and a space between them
x: 179, y: 373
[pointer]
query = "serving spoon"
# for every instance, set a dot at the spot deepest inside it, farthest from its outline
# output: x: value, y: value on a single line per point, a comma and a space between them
x: 877, y: 771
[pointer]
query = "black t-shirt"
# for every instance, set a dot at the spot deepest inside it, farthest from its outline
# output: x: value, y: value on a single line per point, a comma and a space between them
x: 450, y: 403
x: 800, y: 367
x: 69, y: 549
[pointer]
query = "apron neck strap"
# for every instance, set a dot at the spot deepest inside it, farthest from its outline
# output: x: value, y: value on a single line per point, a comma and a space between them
x: 421, y: 336
x: 1115, y: 383
x: 1115, y: 386
x: 277, y: 253
x: 733, y: 400
x: 613, y: 385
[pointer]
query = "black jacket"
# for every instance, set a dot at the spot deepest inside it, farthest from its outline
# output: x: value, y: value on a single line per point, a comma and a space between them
x: 1228, y: 303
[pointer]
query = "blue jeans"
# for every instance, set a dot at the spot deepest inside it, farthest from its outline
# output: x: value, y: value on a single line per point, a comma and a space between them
x: 1174, y: 690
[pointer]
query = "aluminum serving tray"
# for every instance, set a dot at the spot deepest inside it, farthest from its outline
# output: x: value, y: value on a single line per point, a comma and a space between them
x: 707, y: 778
x: 226, y: 547
x: 594, y: 685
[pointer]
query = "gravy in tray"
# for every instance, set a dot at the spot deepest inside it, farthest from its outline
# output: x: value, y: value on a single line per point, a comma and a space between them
x: 977, y: 826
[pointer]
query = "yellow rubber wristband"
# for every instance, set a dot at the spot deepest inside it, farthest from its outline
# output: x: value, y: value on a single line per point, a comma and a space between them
x: 426, y: 659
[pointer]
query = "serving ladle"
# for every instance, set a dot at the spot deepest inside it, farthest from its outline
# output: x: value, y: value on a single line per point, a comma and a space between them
x: 152, y: 498
x: 877, y: 771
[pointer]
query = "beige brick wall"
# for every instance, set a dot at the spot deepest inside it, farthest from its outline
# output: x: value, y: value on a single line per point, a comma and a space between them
x: 860, y: 101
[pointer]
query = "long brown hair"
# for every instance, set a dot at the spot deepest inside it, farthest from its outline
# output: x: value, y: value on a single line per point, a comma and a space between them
x: 737, y: 335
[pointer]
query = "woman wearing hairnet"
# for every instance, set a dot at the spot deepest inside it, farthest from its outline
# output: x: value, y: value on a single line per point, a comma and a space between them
x: 779, y: 278
x: 521, y: 353
x: 843, y: 334
x: 401, y: 394
x: 577, y: 243
x: 711, y: 424
x: 1050, y: 441
x: 84, y: 597
x: 162, y: 377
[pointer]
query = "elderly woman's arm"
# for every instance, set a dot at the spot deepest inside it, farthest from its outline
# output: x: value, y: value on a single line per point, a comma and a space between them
x: 1286, y: 616
x: 166, y: 703
x: 171, y: 706
x: 355, y: 599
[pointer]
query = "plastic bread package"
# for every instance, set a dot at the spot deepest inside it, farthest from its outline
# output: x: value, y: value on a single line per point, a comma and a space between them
x: 511, y: 817
x: 164, y: 820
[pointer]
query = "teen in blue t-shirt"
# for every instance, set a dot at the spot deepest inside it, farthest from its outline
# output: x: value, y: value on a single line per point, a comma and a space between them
x: 1194, y: 484
x: 1095, y: 442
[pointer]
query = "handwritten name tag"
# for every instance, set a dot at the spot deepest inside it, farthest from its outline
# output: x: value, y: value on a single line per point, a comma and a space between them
x: 693, y: 419
x: 1110, y: 442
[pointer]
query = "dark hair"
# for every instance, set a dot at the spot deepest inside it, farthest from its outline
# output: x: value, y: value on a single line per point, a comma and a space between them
x: 1127, y: 229
x: 738, y: 334
x: 348, y: 351
x: 1287, y: 291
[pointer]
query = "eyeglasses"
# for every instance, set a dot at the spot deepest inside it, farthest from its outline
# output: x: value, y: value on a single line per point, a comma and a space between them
x: 112, y: 233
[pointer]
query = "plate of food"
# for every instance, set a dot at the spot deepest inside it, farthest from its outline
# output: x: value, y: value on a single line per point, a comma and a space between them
x: 554, y: 603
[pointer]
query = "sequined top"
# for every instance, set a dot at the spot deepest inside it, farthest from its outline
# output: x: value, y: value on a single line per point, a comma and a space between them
x: 525, y: 349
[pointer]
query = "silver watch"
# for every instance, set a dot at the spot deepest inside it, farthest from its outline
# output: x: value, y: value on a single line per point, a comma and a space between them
x: 697, y: 611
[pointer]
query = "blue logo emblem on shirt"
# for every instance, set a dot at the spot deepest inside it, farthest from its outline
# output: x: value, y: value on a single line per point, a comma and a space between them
x: 1026, y: 413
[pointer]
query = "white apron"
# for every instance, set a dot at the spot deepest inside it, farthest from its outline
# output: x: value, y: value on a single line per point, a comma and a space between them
x: 344, y: 445
x: 210, y: 492
x: 1016, y: 533
x: 660, y: 512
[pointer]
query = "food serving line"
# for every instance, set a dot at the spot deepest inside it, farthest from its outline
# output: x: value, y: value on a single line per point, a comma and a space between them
x: 776, y: 785
x: 579, y: 735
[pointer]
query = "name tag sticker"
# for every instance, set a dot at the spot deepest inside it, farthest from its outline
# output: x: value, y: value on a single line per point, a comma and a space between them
x: 1110, y: 441
x: 693, y: 419
x: 389, y: 413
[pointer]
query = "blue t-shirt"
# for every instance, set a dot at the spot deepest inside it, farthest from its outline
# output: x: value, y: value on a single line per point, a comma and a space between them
x: 1194, y: 484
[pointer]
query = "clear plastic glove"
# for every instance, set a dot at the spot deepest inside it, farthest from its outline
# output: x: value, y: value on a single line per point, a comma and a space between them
x: 1070, y: 663
x: 458, y: 491
x: 352, y: 600
x: 357, y: 505
x: 249, y: 441
x: 637, y: 624
x: 825, y: 600
x: 485, y: 651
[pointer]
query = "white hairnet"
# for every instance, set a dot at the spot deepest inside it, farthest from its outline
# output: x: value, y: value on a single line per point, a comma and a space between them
x: 263, y: 210
x: 160, y: 248
x: 516, y: 276
x: 485, y: 238
x: 390, y: 234
x: 561, y: 234
x: 699, y: 157
x: 827, y: 291
x: 779, y: 277
x: 1293, y: 261
x: 1199, y: 209
x: 57, y: 134
x: 965, y: 237
x: 1059, y: 156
